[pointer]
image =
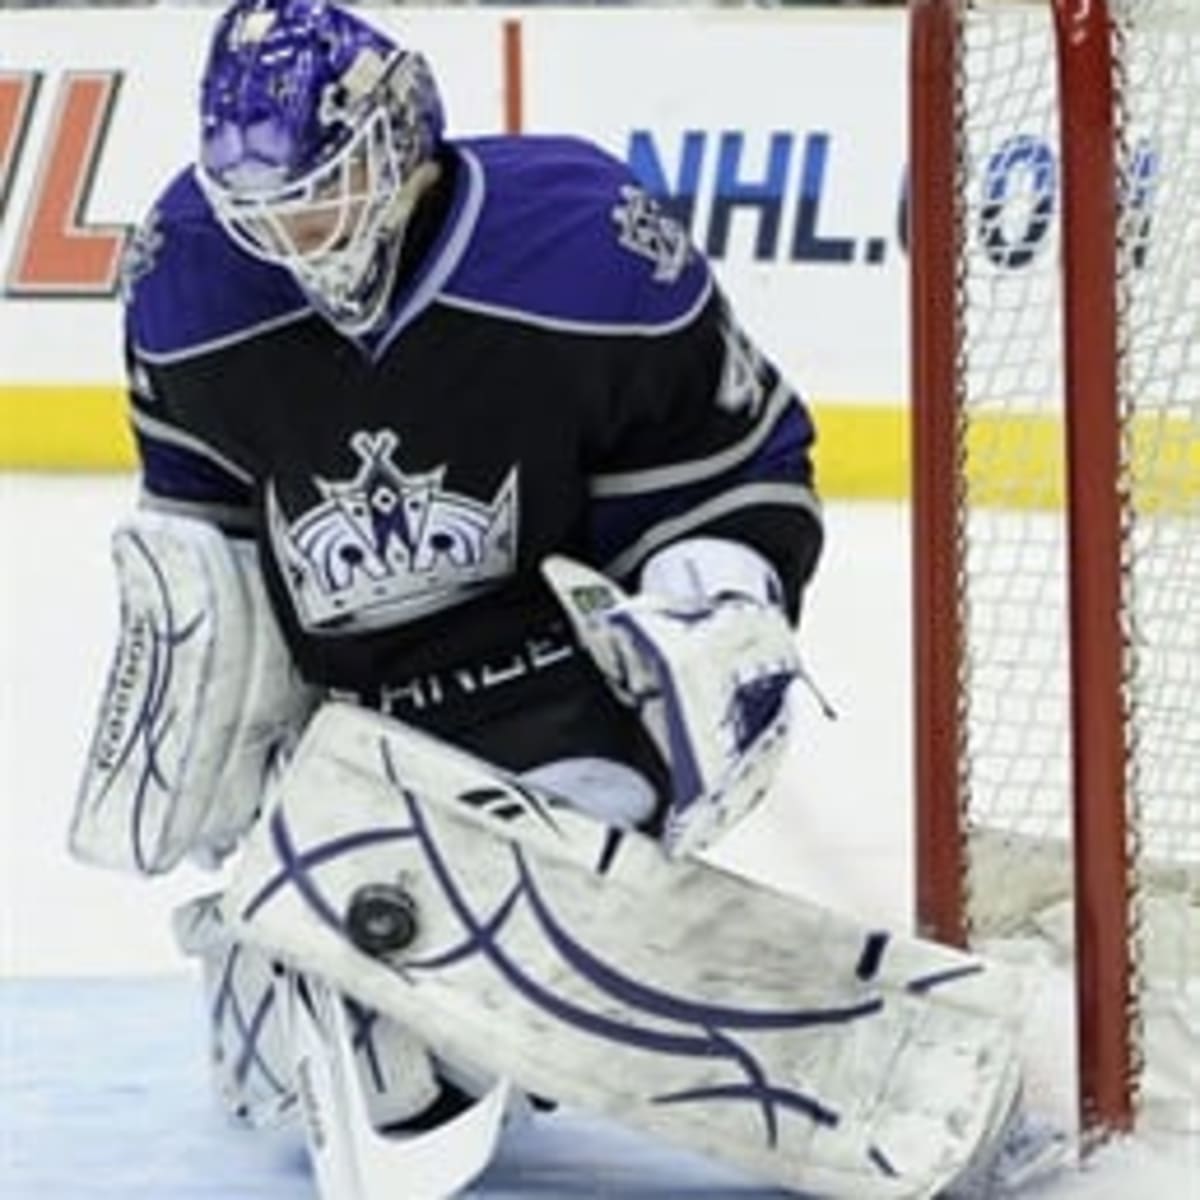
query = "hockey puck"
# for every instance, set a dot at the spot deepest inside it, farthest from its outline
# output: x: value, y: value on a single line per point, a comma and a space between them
x: 381, y: 919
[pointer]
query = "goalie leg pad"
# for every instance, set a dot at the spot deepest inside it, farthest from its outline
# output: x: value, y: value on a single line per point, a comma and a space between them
x: 253, y: 1039
x: 587, y: 967
x: 244, y: 992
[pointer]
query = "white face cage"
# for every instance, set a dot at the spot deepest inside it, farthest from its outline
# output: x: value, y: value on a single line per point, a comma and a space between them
x: 338, y: 230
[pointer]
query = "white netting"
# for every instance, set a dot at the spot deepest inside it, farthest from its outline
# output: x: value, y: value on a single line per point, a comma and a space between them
x: 1015, y: 686
x: 1160, y: 261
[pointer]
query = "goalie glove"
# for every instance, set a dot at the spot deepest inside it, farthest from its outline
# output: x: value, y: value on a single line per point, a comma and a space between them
x: 705, y: 656
x: 200, y: 699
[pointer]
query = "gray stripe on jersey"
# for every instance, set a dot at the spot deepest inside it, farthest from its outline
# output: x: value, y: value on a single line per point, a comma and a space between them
x: 589, y: 327
x: 653, y: 479
x: 230, y: 339
x: 789, y: 495
x: 230, y: 517
x: 160, y: 431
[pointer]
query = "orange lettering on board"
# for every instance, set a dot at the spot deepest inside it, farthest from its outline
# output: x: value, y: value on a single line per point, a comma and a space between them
x: 56, y: 252
x: 17, y: 93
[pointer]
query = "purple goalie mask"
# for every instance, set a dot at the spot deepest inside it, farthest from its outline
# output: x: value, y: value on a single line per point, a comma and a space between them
x: 318, y: 136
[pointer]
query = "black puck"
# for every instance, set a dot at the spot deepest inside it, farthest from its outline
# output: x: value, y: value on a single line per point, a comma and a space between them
x: 381, y: 919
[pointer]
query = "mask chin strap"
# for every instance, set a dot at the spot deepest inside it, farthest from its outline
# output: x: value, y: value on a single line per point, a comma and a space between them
x: 389, y: 245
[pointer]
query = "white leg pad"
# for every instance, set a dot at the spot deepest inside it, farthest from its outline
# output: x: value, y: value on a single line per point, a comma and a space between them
x: 583, y: 965
x: 252, y: 1038
x: 248, y: 1045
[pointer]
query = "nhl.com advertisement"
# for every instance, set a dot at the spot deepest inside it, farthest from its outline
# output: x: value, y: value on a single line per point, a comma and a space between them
x: 777, y: 137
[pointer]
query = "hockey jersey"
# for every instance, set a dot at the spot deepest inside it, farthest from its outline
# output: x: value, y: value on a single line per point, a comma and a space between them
x: 558, y: 373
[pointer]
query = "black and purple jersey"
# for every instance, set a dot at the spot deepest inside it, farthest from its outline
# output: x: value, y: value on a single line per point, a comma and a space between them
x: 558, y: 374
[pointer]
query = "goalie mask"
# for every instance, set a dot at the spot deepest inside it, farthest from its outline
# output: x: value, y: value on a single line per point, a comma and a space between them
x: 318, y: 137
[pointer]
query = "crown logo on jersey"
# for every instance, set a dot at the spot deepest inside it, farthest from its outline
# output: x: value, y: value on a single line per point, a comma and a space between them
x: 386, y: 546
x: 647, y: 229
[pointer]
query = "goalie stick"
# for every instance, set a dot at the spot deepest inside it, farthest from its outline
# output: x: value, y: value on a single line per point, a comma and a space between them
x: 351, y: 1159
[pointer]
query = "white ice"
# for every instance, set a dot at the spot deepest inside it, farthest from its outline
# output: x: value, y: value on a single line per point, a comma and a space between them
x: 102, y: 1090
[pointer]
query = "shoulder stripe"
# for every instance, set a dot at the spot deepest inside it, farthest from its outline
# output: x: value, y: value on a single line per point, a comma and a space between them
x: 788, y: 495
x: 229, y: 339
x: 160, y: 431
x: 653, y: 479
x: 562, y: 325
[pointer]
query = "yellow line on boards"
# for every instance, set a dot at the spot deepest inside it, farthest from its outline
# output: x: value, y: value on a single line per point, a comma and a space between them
x: 64, y: 427
x: 1014, y: 459
x: 861, y: 451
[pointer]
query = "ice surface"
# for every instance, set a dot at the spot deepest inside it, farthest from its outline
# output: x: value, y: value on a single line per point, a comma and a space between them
x: 105, y: 1098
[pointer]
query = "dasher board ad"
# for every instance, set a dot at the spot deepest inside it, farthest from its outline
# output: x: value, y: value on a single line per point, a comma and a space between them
x: 759, y: 128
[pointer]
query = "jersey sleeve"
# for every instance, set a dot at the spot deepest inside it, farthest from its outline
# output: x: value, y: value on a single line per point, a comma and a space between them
x: 180, y: 471
x: 705, y: 436
x: 187, y: 294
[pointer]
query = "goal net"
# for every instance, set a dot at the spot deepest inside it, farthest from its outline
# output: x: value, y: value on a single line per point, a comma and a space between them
x: 1055, y: 201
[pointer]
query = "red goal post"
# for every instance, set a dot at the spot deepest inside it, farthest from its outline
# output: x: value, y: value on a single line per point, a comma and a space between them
x: 1055, y: 295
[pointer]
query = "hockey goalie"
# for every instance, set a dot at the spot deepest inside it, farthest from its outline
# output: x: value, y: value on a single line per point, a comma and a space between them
x: 457, y: 617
